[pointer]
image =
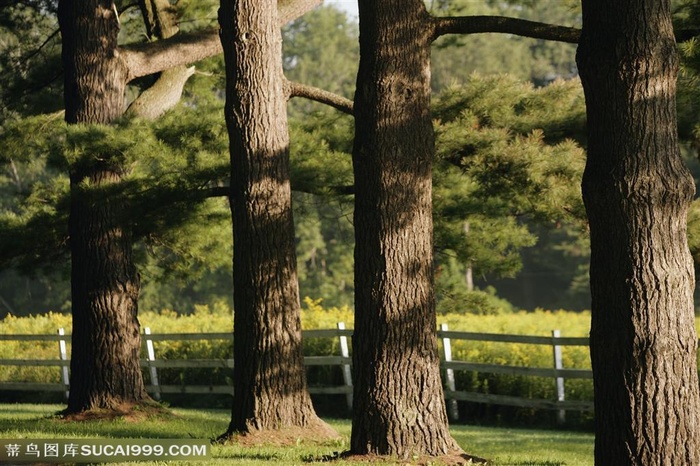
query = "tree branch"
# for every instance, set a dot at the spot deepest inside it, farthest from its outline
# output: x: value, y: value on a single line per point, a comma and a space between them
x: 160, y: 20
x: 181, y: 49
x: 289, y: 10
x: 184, y: 49
x: 336, y: 101
x: 163, y: 95
x: 502, y: 24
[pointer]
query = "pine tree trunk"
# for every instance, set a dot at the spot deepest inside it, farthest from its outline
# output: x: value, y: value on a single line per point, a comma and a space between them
x: 637, y: 192
x: 106, y: 344
x: 399, y: 407
x: 269, y: 379
x: 105, y: 370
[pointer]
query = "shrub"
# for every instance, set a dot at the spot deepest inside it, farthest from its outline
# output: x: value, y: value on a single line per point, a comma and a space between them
x: 314, y: 316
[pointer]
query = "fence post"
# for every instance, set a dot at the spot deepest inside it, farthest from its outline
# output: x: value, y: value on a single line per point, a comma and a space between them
x: 559, y: 364
x: 150, y: 358
x: 64, y: 358
x: 452, y: 408
x: 347, y: 374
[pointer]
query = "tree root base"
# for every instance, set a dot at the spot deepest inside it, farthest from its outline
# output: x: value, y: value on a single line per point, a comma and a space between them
x: 126, y: 411
x: 317, y: 432
x: 457, y: 458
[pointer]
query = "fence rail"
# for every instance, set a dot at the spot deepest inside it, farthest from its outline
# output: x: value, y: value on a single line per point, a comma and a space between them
x: 152, y: 364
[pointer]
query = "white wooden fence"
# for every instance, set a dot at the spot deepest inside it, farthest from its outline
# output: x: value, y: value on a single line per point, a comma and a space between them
x: 152, y: 364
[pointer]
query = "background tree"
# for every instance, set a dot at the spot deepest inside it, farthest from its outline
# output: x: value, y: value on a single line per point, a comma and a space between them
x: 637, y: 191
x: 30, y: 82
x: 179, y: 266
x: 321, y: 50
x: 178, y: 271
x: 507, y: 171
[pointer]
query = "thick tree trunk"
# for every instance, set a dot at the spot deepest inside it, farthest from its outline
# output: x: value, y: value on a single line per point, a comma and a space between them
x: 105, y: 371
x: 399, y: 407
x: 637, y: 191
x: 106, y: 344
x: 105, y: 362
x: 269, y: 378
x: 95, y: 75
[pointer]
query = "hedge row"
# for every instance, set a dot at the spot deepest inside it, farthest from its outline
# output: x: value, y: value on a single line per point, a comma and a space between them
x: 314, y: 316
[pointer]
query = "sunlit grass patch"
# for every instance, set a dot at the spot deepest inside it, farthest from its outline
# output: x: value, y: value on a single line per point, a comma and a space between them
x: 504, y: 446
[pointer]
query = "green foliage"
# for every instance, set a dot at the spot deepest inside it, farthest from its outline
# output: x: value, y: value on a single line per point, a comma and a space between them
x: 172, y: 165
x: 315, y: 167
x: 30, y: 63
x: 171, y: 187
x: 321, y: 173
x: 540, y: 323
x: 336, y: 128
x: 321, y: 49
x: 531, y: 139
x: 197, y: 14
x: 33, y: 194
x: 489, y: 125
x: 83, y: 147
x: 454, y: 296
x: 44, y: 324
x: 687, y: 17
x: 33, y: 217
x: 694, y: 238
x: 169, y: 169
x: 555, y: 273
x: 325, y: 241
x: 503, y: 159
x: 315, y: 316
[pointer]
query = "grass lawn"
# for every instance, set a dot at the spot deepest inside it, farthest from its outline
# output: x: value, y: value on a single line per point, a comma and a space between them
x: 505, y: 447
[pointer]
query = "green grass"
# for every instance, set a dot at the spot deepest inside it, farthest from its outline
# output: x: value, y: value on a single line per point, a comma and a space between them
x: 506, y: 447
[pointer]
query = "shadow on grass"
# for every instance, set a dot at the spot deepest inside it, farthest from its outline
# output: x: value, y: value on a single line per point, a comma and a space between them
x: 52, y: 425
x: 251, y: 456
x: 507, y: 446
x: 527, y: 447
x: 535, y: 463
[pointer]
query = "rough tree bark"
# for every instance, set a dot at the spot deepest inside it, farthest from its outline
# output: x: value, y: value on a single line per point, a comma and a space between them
x: 269, y: 379
x: 637, y: 192
x: 105, y: 370
x: 399, y: 407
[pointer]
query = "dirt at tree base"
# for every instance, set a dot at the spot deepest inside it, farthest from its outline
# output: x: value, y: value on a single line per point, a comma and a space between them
x: 129, y: 412
x: 316, y: 433
x: 457, y: 458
